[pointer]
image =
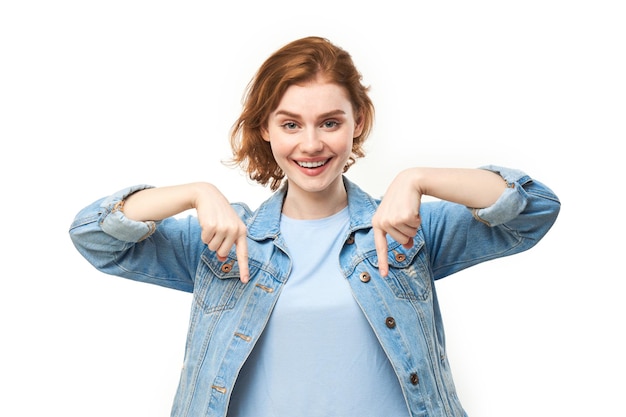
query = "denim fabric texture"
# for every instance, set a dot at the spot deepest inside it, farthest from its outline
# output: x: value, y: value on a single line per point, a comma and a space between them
x: 227, y: 317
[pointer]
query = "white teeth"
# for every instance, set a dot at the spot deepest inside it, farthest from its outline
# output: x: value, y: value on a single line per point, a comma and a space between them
x: 311, y: 164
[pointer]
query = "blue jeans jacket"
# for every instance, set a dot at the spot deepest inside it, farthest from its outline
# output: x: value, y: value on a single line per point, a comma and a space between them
x: 227, y: 317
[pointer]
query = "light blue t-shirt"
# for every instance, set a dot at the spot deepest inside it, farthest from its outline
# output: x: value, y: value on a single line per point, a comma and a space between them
x: 318, y: 356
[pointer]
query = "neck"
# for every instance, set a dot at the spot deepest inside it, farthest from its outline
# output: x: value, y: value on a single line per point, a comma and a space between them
x: 303, y: 205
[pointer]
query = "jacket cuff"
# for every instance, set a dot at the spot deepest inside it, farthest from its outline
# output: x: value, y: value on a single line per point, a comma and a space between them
x: 114, y: 223
x: 511, y: 202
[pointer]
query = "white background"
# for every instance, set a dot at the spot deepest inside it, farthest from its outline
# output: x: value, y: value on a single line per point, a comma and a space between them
x: 95, y: 96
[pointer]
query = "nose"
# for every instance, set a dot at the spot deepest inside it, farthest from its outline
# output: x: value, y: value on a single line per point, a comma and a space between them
x: 312, y: 142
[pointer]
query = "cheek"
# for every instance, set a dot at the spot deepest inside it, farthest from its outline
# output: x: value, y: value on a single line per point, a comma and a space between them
x: 278, y: 150
x: 347, y: 145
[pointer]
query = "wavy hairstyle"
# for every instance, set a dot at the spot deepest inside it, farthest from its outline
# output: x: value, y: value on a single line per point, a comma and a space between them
x: 295, y: 63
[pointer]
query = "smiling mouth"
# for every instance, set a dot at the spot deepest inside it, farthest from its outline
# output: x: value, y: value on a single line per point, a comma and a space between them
x: 315, y: 164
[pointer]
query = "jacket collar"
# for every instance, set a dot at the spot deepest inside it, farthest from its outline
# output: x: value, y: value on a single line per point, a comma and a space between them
x: 265, y: 222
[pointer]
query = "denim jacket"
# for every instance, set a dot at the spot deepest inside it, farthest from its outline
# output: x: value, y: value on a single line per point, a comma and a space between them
x: 227, y: 317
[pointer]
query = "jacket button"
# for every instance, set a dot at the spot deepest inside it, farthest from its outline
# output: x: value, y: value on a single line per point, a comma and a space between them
x: 350, y: 240
x: 227, y: 267
x: 400, y: 257
x: 365, y: 277
x: 390, y: 322
x: 414, y: 379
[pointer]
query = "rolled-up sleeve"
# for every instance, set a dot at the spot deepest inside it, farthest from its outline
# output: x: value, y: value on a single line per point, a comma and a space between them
x: 519, y: 218
x: 117, y: 245
x: 510, y: 203
x: 117, y: 225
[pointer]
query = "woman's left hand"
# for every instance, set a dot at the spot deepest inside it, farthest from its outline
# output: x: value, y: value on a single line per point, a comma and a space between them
x: 397, y: 216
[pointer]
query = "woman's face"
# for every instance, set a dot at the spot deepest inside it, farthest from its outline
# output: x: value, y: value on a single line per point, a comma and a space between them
x: 311, y: 133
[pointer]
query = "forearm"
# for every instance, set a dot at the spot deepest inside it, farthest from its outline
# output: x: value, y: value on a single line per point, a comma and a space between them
x: 160, y: 203
x: 476, y: 188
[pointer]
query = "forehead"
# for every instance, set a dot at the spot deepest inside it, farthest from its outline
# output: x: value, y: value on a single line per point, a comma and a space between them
x: 315, y: 96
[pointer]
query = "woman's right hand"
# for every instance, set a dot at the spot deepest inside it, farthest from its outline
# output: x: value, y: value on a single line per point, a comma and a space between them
x: 221, y: 226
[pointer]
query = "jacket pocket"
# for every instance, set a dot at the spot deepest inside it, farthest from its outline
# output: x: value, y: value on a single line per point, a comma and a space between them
x: 409, y: 277
x: 217, y: 287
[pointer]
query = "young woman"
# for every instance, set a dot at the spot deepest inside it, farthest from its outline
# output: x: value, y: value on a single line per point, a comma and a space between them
x: 321, y: 302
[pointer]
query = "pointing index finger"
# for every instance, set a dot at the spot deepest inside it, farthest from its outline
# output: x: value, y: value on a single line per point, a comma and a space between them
x: 380, y: 241
x: 241, y: 247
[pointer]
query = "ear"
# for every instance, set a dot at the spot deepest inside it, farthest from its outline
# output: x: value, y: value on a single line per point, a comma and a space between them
x: 265, y: 134
x: 358, y: 125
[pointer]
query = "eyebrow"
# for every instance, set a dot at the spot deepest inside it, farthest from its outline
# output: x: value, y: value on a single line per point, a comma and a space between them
x: 321, y: 116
